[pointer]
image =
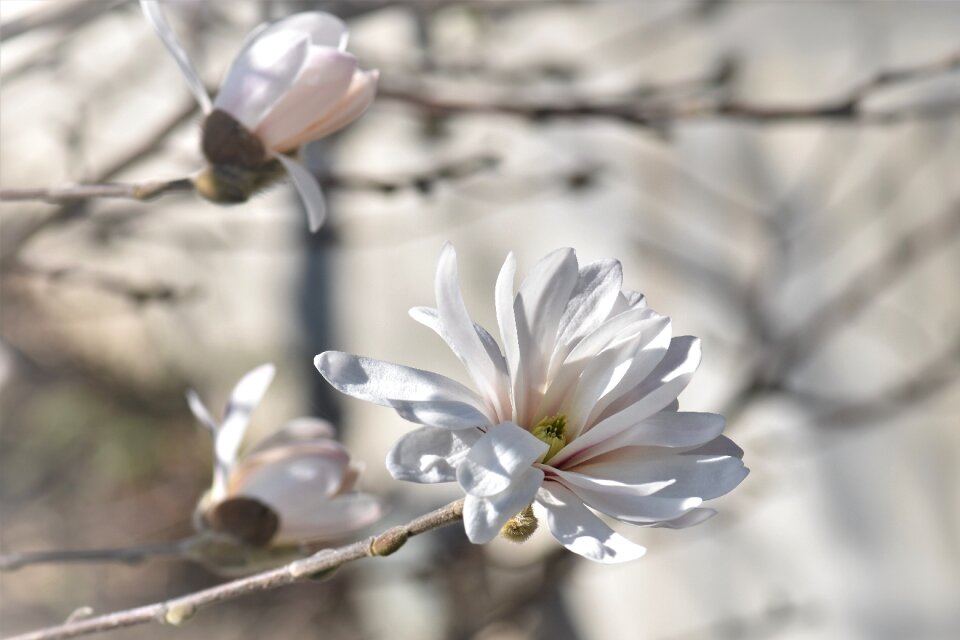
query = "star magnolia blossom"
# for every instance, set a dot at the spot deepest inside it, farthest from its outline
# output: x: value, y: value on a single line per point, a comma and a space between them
x: 291, y: 83
x: 295, y: 486
x: 579, y: 410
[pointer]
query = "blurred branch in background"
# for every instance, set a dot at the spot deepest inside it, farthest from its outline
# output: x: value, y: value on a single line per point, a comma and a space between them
x: 656, y: 106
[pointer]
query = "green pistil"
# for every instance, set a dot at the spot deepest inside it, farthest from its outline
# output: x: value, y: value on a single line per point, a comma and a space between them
x: 552, y: 431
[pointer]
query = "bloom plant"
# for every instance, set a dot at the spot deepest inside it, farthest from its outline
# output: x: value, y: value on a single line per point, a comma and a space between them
x: 295, y: 486
x: 291, y: 82
x: 577, y: 412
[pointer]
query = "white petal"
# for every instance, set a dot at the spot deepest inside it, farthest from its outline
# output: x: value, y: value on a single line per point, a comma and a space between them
x: 154, y: 15
x: 307, y: 517
x: 261, y: 75
x: 497, y: 459
x: 538, y: 307
x: 430, y: 454
x: 668, y: 428
x: 417, y: 395
x: 489, y: 374
x: 309, y: 190
x: 431, y: 318
x: 580, y: 531
x: 593, y: 297
x: 318, y: 468
x: 705, y: 472
x: 357, y: 99
x: 297, y: 431
x: 658, y: 391
x: 484, y: 517
x: 662, y: 386
x: 200, y: 411
x: 324, y: 29
x: 321, y: 84
x: 634, y: 502
x: 689, y: 519
x: 508, y: 323
x: 244, y: 398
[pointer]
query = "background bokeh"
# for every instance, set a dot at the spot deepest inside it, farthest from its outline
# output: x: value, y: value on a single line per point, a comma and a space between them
x: 765, y: 172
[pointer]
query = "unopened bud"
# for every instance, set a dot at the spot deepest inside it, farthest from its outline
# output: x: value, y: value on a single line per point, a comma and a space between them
x: 520, y: 527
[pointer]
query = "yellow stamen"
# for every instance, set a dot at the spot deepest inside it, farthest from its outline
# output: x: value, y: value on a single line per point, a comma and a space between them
x: 552, y: 431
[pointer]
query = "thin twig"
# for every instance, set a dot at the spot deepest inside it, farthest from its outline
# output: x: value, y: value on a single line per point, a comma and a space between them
x: 135, y: 191
x: 125, y: 555
x: 178, y: 610
x: 650, y: 108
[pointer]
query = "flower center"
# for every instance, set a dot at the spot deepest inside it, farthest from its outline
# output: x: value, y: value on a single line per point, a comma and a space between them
x: 552, y: 431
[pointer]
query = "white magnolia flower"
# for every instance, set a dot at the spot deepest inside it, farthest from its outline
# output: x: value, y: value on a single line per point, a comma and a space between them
x: 295, y: 486
x: 291, y: 83
x: 579, y: 410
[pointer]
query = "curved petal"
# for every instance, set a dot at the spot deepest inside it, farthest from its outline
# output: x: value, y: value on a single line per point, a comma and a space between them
x: 200, y: 412
x: 430, y: 454
x: 655, y: 393
x: 690, y: 519
x: 261, y: 75
x: 484, y: 517
x: 154, y: 15
x: 244, y: 398
x: 309, y: 190
x: 580, y: 531
x: 593, y: 297
x: 497, y: 459
x: 538, y: 307
x: 306, y: 517
x: 431, y: 318
x: 417, y: 395
x: 507, y: 322
x: 297, y: 431
x: 357, y: 99
x: 321, y: 84
x: 705, y: 472
x: 318, y: 468
x: 635, y: 502
x: 324, y: 29
x: 488, y: 373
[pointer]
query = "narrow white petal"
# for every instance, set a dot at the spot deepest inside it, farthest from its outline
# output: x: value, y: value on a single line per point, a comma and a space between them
x: 324, y: 29
x: 580, y: 531
x: 635, y: 502
x: 200, y: 412
x: 416, y: 395
x: 309, y: 190
x: 591, y: 301
x: 430, y: 454
x: 430, y: 317
x: 261, y: 75
x: 244, y: 398
x: 538, y: 307
x: 154, y: 15
x: 484, y: 517
x: 508, y: 324
x: 705, y: 472
x: 497, y: 459
x: 657, y: 392
x: 459, y: 332
x: 298, y: 431
x: 689, y: 519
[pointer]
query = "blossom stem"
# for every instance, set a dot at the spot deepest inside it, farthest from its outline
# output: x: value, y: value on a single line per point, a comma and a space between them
x: 179, y: 610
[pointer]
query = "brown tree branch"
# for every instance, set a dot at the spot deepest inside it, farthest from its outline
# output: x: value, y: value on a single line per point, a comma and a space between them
x: 135, y: 191
x: 178, y: 610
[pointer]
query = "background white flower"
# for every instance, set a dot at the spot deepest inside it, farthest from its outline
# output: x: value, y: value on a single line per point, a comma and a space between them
x: 295, y: 486
x: 579, y: 409
x: 291, y: 82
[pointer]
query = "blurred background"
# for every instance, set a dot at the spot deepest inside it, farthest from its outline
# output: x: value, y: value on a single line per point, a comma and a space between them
x: 779, y: 177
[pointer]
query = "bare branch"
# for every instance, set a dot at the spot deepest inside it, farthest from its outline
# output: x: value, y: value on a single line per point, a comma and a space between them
x: 652, y: 108
x: 136, y: 191
x: 178, y: 610
x: 125, y: 555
